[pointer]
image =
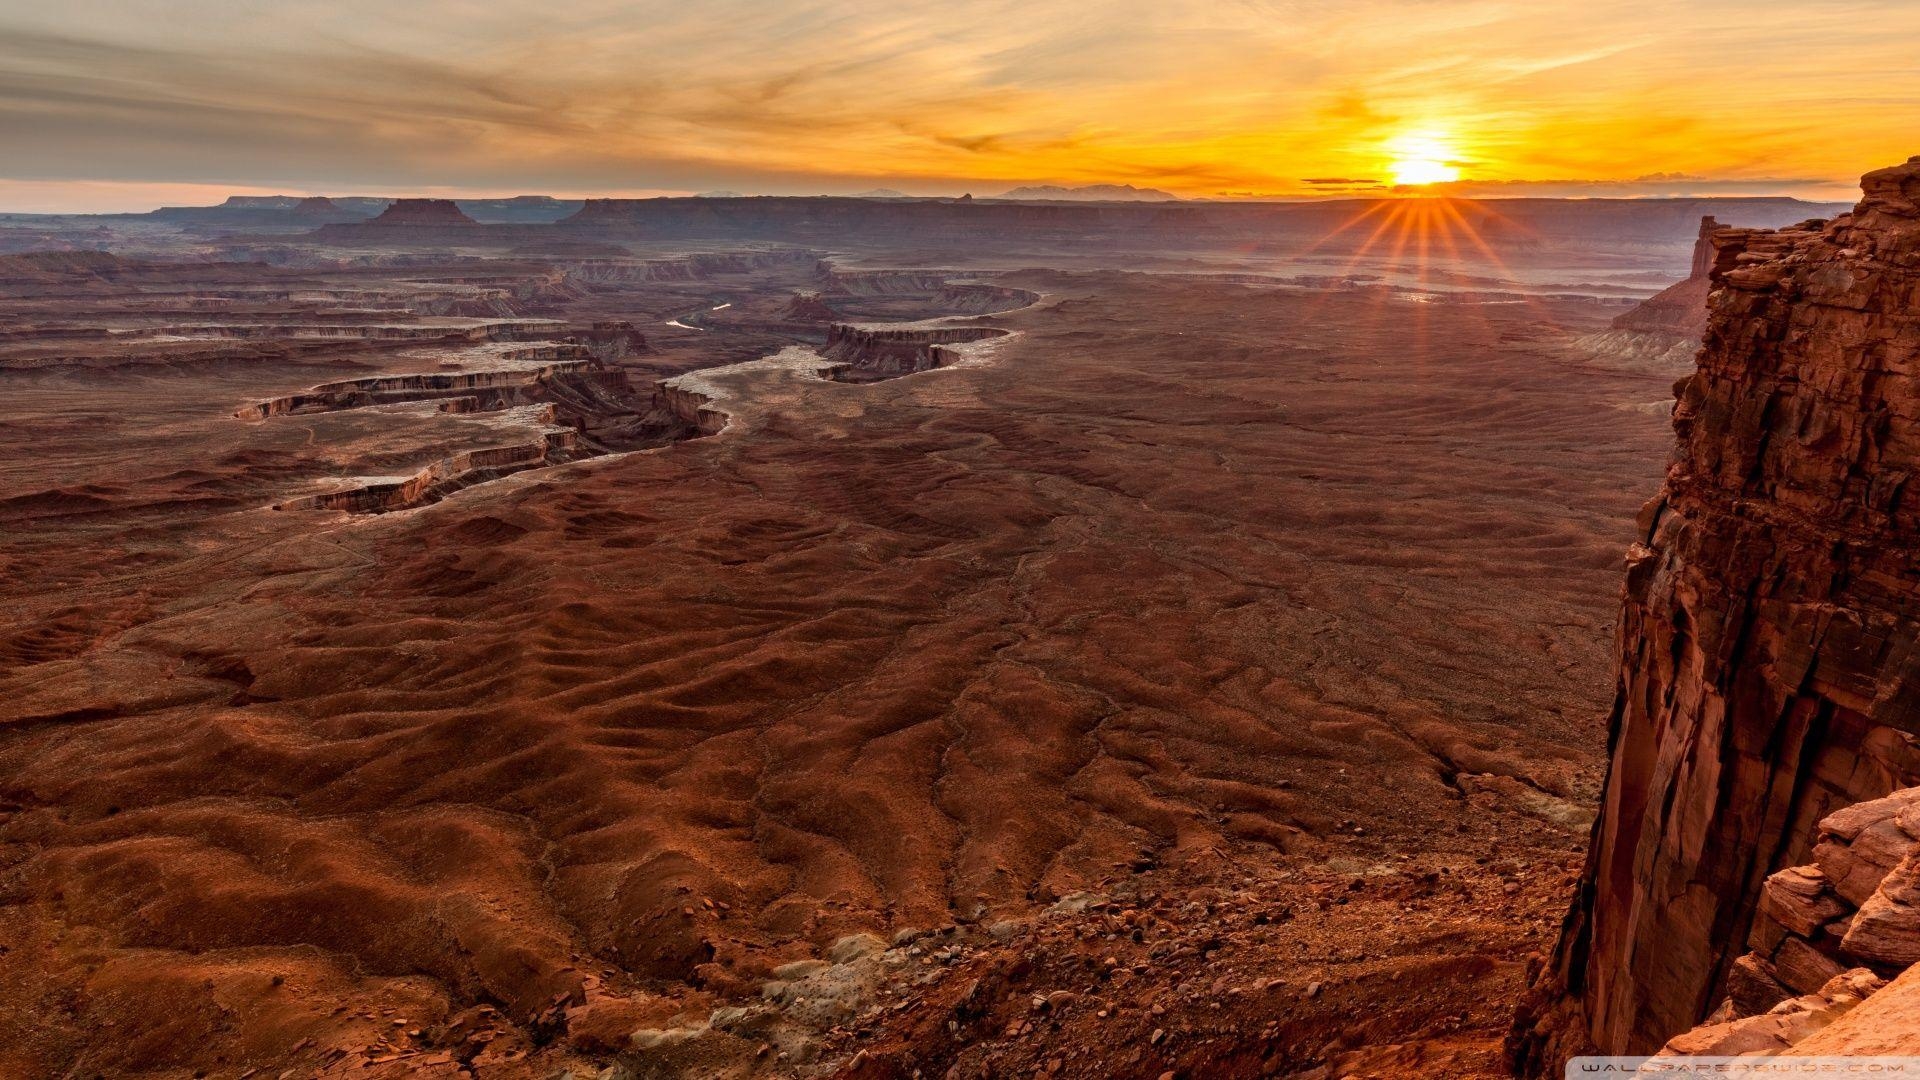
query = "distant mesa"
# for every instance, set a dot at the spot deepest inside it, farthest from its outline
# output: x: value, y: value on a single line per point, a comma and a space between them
x: 880, y: 193
x: 1089, y: 193
x: 364, y: 205
x: 272, y: 211
x: 318, y: 206
x: 719, y: 195
x: 414, y: 213
x: 299, y: 203
x: 520, y: 209
x: 262, y: 202
x: 275, y: 211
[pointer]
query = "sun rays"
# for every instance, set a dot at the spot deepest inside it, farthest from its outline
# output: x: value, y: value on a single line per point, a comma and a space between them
x: 1415, y: 251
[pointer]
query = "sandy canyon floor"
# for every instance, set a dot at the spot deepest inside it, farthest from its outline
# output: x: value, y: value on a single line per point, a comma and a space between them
x: 1204, y: 677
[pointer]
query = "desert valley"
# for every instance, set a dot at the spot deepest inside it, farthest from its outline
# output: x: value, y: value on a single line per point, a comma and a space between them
x: 1394, y: 630
x: 441, y: 646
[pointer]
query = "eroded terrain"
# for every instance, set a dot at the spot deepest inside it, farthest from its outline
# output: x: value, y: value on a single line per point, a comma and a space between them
x: 875, y: 672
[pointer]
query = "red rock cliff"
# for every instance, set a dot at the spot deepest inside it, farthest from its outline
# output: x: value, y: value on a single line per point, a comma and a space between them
x: 1681, y: 308
x: 1768, y: 668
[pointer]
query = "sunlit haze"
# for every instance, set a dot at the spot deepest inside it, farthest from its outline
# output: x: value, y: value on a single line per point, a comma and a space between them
x: 130, y: 104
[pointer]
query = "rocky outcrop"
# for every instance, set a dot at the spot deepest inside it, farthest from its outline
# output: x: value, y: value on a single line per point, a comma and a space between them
x: 578, y: 406
x: 417, y: 213
x: 444, y: 477
x: 1769, y: 671
x: 1832, y: 932
x: 689, y: 407
x: 1665, y: 329
x: 1855, y: 904
x: 1680, y: 309
x: 520, y: 209
x: 392, y: 389
x: 611, y: 339
x: 885, y: 282
x: 808, y: 307
x: 272, y: 211
x: 954, y: 297
x: 321, y: 208
x: 418, y: 223
x: 869, y: 354
x: 1782, y: 1028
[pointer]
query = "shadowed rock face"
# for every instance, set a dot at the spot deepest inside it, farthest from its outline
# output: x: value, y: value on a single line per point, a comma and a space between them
x: 433, y: 212
x: 1768, y: 671
x: 1664, y: 331
x: 886, y: 353
x: 1681, y: 308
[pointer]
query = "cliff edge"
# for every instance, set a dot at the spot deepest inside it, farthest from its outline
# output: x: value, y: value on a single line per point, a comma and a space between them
x: 1664, y: 330
x: 1768, y: 669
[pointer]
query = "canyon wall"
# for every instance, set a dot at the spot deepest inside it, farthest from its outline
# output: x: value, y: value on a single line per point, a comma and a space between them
x: 1831, y: 968
x: 1679, y: 309
x: 1664, y: 330
x: 888, y: 352
x: 1768, y: 671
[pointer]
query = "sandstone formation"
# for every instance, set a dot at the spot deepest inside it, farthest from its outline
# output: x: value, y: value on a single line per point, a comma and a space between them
x: 1665, y: 329
x: 272, y: 212
x: 1854, y: 905
x: 810, y: 308
x: 427, y: 213
x: 1768, y: 668
x: 520, y: 209
x: 1833, y: 932
x: 870, y: 353
x: 318, y: 206
x: 424, y: 223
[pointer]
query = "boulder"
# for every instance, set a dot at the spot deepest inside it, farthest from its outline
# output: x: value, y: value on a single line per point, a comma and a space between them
x: 1886, y: 929
x: 1798, y: 898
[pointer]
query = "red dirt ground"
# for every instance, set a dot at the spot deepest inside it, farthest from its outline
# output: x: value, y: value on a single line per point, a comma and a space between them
x: 1229, y: 658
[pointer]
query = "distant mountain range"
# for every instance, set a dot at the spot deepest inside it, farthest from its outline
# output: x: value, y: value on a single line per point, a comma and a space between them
x: 271, y: 209
x: 1090, y: 193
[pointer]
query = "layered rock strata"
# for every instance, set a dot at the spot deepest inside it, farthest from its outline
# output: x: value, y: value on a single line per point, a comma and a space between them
x: 1833, y: 932
x: 432, y: 213
x: 1665, y: 329
x: 1768, y: 670
x: 870, y: 354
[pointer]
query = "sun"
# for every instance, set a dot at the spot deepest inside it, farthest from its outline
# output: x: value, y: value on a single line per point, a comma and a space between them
x: 1422, y: 157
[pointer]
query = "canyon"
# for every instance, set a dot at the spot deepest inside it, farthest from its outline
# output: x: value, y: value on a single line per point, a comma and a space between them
x: 933, y: 638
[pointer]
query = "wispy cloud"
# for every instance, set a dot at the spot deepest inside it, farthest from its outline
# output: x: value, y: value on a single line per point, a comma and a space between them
x: 818, y: 95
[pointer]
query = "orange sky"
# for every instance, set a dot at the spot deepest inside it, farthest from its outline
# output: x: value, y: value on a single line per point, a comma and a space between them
x: 128, y: 104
